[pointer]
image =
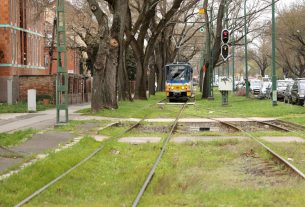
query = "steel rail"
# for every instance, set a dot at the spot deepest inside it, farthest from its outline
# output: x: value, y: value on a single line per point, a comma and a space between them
x: 274, y: 126
x: 45, y: 187
x: 153, y: 169
x: 293, y: 125
x: 288, y: 164
x: 26, y: 200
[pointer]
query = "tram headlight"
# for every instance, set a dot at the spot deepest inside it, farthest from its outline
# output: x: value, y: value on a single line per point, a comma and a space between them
x: 182, y: 88
x: 172, y: 87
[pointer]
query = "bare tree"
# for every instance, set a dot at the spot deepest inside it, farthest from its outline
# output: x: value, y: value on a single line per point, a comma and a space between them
x: 137, y: 32
x: 291, y: 41
x: 261, y: 54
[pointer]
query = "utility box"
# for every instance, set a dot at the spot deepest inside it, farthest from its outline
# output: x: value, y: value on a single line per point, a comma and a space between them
x: 31, y: 100
x: 225, y: 84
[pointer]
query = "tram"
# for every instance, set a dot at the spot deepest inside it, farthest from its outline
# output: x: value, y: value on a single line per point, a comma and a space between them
x: 178, y: 81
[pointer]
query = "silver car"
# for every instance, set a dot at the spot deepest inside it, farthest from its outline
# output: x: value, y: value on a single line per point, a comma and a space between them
x: 281, y: 88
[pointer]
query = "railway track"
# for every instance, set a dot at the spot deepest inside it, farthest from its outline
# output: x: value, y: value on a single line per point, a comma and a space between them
x: 99, y: 149
x: 268, y: 149
x: 159, y: 157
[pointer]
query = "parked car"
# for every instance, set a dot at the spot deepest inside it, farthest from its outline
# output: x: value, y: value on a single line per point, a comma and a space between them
x: 255, y: 86
x: 298, y: 91
x: 287, y: 93
x: 281, y: 88
x: 265, y: 89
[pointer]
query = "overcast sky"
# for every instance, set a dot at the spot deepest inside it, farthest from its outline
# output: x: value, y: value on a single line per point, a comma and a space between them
x: 283, y: 3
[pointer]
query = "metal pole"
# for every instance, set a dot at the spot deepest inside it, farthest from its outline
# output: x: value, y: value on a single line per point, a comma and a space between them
x: 233, y: 56
x: 208, y: 40
x: 62, y: 75
x: 246, y: 49
x: 227, y: 25
x: 274, y: 92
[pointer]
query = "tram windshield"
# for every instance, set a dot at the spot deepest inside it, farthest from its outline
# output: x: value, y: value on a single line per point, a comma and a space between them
x: 178, y: 72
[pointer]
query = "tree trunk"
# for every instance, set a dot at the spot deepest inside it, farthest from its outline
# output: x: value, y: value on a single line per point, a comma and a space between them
x: 123, y: 81
x: 152, y: 79
x: 107, y: 60
x: 141, y: 80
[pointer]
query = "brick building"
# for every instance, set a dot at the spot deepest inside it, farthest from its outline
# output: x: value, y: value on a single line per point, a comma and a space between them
x: 21, y: 43
x: 24, y: 54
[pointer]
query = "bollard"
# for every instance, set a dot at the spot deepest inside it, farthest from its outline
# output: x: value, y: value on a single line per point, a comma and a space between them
x: 31, y: 100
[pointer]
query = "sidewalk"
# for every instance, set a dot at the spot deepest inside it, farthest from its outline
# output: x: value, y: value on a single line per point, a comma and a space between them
x: 40, y: 143
x: 40, y: 120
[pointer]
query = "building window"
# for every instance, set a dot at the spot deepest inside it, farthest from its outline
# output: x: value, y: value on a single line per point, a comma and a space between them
x: 13, y: 46
x: 23, y: 35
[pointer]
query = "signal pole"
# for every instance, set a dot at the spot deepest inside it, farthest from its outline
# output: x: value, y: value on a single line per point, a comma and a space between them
x: 233, y: 56
x: 62, y: 75
x: 274, y: 92
x: 227, y: 26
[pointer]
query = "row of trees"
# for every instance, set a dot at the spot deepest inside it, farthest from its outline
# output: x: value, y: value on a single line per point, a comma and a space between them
x: 147, y: 34
x: 290, y: 45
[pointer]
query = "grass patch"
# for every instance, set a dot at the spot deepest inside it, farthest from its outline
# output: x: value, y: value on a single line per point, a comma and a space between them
x: 293, y: 150
x: 213, y: 174
x: 238, y: 107
x: 106, y: 175
x: 127, y: 109
x: 10, y: 139
x: 191, y: 174
x: 21, y: 107
x: 17, y: 187
x: 241, y: 107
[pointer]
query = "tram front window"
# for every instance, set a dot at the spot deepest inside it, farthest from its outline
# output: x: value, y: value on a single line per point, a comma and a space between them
x: 177, y: 72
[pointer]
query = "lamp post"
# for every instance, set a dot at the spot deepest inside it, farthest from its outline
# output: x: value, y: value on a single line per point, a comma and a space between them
x: 246, y: 49
x: 274, y: 92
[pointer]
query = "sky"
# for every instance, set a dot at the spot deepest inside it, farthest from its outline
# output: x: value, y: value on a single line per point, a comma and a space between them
x: 286, y: 2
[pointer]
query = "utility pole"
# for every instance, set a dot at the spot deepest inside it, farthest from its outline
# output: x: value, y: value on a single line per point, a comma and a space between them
x: 274, y: 91
x: 227, y: 26
x: 246, y: 49
x: 233, y: 55
x: 62, y: 75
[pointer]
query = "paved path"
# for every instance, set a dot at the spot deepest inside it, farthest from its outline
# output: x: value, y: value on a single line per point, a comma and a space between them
x: 39, y: 120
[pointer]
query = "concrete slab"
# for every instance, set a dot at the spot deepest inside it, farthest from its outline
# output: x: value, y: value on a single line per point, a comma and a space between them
x: 41, y: 142
x: 140, y: 140
x: 283, y: 139
x: 203, y: 138
x: 165, y: 120
x: 232, y: 119
x: 261, y: 119
x: 100, y: 138
x: 196, y: 120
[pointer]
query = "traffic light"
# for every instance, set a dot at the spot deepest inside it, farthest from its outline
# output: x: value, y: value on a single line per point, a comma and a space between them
x: 225, y: 51
x: 225, y: 36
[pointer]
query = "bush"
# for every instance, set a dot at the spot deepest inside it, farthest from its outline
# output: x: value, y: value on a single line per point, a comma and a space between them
x: 44, y: 96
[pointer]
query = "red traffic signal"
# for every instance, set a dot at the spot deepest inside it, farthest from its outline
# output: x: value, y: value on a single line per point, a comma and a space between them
x: 225, y: 51
x: 225, y: 36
